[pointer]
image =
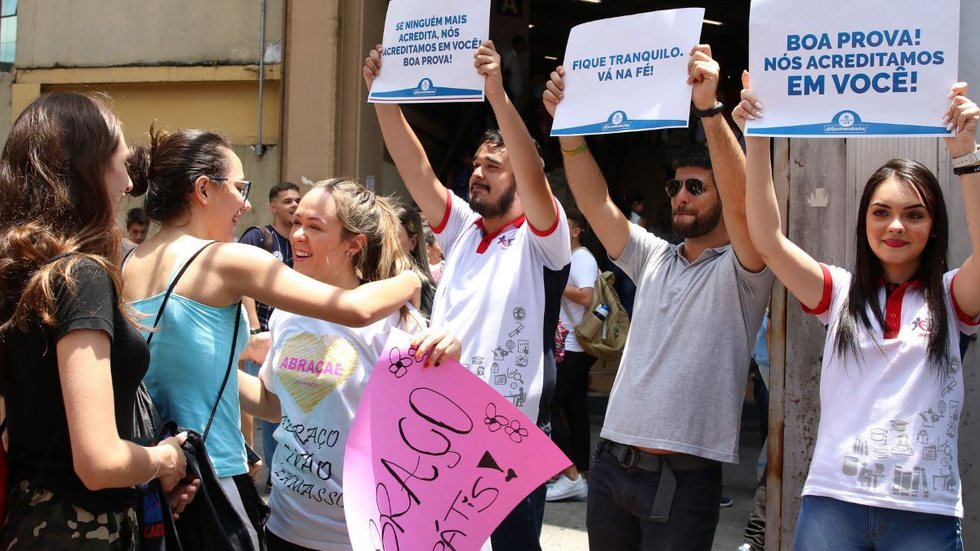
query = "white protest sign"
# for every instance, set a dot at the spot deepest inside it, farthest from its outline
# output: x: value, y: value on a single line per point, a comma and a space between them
x: 840, y: 68
x: 427, y: 51
x: 626, y: 74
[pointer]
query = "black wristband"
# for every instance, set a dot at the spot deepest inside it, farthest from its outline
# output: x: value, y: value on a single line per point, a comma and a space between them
x: 972, y: 169
x: 718, y: 107
x: 255, y: 331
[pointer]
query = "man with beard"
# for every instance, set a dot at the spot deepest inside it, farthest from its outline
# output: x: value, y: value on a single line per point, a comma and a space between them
x: 676, y: 403
x: 507, y: 259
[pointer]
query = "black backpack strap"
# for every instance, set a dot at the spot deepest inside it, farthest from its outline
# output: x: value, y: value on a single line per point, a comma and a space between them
x: 268, y: 240
x: 173, y: 284
x: 231, y: 362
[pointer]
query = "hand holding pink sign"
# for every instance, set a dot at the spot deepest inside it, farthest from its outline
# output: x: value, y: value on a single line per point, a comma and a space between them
x: 436, y: 458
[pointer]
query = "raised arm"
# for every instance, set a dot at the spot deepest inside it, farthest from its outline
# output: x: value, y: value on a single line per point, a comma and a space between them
x: 963, y: 114
x: 586, y: 180
x: 532, y: 186
x: 797, y: 270
x: 249, y: 271
x: 727, y: 160
x: 406, y: 150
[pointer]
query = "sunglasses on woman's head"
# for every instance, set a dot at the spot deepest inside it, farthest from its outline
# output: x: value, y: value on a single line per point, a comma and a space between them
x: 694, y: 186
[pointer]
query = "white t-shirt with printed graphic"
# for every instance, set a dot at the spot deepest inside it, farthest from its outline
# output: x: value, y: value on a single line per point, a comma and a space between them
x: 319, y: 371
x: 888, y: 421
x: 583, y: 273
x: 500, y: 294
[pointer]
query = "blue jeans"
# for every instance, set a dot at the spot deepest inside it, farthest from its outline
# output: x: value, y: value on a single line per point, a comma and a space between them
x: 268, y: 428
x: 521, y: 528
x: 828, y: 524
x: 621, y: 501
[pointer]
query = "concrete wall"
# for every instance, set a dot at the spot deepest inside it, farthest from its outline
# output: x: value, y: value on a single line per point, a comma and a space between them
x: 99, y: 33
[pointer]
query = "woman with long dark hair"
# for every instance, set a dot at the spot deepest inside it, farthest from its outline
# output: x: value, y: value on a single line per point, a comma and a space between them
x: 412, y: 240
x: 884, y: 471
x: 196, y: 189
x: 72, y: 358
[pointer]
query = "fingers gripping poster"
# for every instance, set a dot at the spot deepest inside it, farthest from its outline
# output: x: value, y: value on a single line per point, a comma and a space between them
x: 436, y: 458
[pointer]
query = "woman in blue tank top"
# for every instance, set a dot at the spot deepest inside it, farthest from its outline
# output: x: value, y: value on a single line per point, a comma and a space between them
x: 197, y: 191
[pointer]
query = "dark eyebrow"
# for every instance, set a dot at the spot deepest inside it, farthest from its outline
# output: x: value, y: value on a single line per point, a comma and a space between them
x: 910, y: 207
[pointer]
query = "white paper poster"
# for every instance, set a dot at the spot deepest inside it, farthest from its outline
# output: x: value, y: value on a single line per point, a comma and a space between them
x: 427, y: 51
x: 626, y: 74
x: 840, y: 68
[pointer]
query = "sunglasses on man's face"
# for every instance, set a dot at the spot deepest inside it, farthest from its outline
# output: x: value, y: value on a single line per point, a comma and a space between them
x: 694, y: 186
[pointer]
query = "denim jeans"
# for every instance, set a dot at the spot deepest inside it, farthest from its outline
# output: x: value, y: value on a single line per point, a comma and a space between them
x: 521, y: 528
x: 268, y: 428
x: 828, y: 524
x: 621, y: 500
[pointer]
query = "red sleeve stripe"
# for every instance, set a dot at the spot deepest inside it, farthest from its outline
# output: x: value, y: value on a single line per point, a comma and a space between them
x: 553, y: 227
x: 445, y: 216
x: 828, y: 287
x: 967, y: 320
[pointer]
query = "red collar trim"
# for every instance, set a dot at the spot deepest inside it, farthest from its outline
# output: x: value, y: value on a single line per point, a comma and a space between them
x: 488, y: 238
x: 893, y: 307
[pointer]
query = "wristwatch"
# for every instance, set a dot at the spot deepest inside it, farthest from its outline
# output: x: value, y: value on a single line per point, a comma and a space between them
x: 718, y: 107
x: 255, y: 331
x: 968, y: 159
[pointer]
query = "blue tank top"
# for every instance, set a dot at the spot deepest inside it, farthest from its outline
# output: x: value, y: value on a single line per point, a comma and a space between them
x: 188, y: 358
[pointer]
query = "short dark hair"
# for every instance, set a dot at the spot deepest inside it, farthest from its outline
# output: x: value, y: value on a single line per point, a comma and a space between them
x: 281, y: 187
x: 493, y: 137
x: 137, y: 216
x: 695, y: 155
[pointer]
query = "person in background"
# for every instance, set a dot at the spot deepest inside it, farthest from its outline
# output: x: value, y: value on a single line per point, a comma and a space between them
x: 137, y: 224
x: 274, y: 237
x: 569, y: 406
x: 72, y: 358
x: 411, y: 240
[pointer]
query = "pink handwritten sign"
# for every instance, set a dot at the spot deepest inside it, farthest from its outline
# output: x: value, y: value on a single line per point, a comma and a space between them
x: 436, y: 458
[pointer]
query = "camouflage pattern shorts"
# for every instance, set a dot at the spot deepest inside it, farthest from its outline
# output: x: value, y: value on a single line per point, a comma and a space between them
x: 38, y: 519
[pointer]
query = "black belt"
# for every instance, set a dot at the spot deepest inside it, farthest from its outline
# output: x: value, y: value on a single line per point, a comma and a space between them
x: 630, y: 457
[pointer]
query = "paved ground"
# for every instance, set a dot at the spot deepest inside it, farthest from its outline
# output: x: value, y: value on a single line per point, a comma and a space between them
x: 564, y: 522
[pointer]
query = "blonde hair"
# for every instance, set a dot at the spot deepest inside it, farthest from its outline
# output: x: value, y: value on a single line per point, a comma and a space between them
x: 361, y: 212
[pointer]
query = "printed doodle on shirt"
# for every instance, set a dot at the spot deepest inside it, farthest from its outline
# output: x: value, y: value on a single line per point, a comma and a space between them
x: 312, y: 367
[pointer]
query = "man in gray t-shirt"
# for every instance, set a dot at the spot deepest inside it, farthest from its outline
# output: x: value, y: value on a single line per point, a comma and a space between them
x: 675, y: 406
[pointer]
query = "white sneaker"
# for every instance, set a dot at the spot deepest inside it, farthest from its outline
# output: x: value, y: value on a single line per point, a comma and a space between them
x: 744, y: 547
x: 566, y: 488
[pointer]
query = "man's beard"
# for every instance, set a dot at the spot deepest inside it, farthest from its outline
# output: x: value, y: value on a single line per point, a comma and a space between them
x: 497, y: 208
x: 703, y: 223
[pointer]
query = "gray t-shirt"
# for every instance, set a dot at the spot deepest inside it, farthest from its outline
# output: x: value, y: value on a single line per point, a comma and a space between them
x: 682, y: 378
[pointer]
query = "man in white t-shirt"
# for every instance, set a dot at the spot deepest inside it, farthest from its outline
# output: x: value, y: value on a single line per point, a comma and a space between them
x: 507, y: 257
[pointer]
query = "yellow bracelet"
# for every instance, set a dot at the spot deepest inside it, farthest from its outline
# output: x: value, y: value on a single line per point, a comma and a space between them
x: 576, y: 151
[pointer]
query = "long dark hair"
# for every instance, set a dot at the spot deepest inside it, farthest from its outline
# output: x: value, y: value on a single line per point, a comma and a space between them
x: 55, y: 207
x: 869, y: 273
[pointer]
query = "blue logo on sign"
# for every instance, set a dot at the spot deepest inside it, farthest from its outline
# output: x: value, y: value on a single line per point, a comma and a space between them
x: 617, y: 121
x: 425, y: 88
x: 846, y: 122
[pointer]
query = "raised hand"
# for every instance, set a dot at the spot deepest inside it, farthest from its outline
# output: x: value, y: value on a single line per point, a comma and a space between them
x: 961, y: 116
x: 555, y: 90
x: 372, y: 66
x: 703, y: 73
x: 487, y: 63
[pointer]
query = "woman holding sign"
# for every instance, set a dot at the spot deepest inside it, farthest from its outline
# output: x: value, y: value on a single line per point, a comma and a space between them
x: 884, y: 472
x: 316, y: 372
